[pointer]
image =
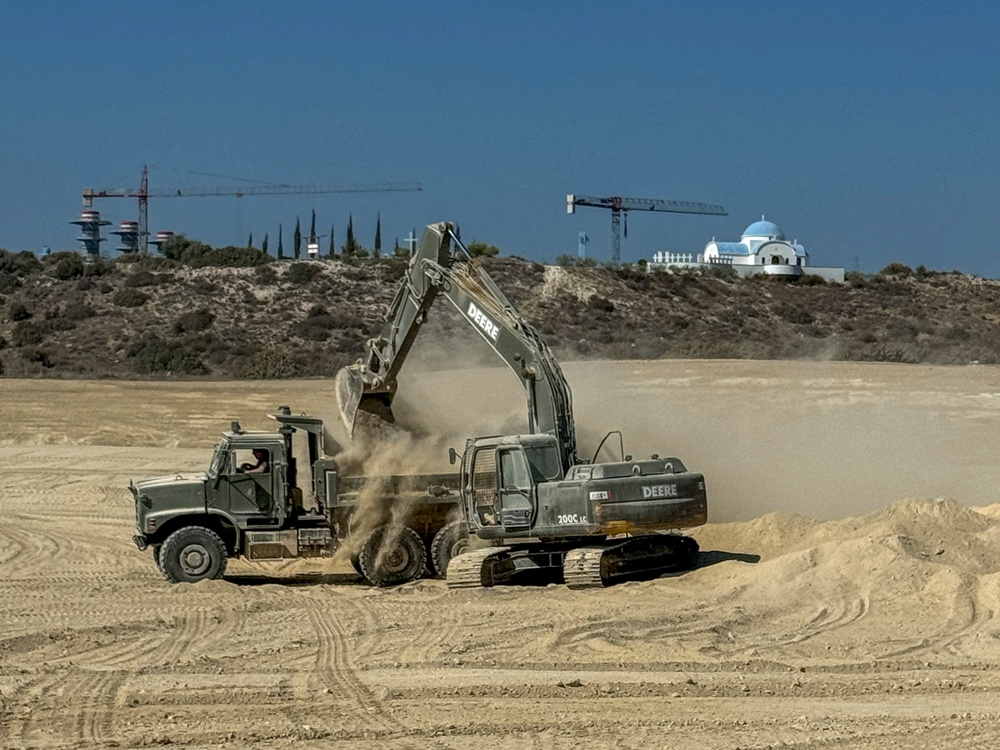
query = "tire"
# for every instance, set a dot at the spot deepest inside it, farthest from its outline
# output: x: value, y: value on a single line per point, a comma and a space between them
x: 389, y: 557
x: 451, y: 540
x: 193, y: 554
x: 356, y: 563
x: 156, y: 556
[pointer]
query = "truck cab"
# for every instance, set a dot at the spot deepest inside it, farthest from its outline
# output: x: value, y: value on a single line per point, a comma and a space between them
x: 248, y: 503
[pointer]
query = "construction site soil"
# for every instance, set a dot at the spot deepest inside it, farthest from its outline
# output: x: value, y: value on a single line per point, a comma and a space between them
x: 846, y: 595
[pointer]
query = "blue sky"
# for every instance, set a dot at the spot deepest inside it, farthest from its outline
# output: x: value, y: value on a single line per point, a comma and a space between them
x: 866, y: 130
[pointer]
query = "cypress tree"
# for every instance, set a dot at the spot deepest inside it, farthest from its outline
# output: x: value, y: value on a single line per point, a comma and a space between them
x: 378, y: 236
x: 333, y: 247
x: 349, y: 244
x: 312, y: 228
x: 250, y: 240
x: 297, y: 246
x: 264, y: 245
x: 281, y: 245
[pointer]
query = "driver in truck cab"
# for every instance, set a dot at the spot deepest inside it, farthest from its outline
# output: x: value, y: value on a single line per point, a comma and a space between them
x: 261, y: 467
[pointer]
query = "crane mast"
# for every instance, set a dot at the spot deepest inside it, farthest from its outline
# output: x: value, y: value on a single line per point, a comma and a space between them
x: 620, y: 207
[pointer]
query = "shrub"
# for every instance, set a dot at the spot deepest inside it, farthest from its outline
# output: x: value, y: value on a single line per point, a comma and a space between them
x: 130, y: 298
x: 234, y: 257
x: 479, y: 249
x: 811, y: 279
x: 795, y: 315
x: 302, y: 273
x: 18, y: 311
x: 316, y: 326
x: 37, y: 356
x: 144, y: 261
x: 98, y: 267
x: 151, y: 355
x: 194, y: 321
x: 601, y: 304
x: 145, y: 278
x: 896, y: 269
x: 78, y: 311
x: 268, y: 364
x: 24, y: 263
x: 64, y: 266
x: 204, y: 286
x: 722, y: 271
x: 198, y: 254
x: 28, y: 333
x: 265, y: 276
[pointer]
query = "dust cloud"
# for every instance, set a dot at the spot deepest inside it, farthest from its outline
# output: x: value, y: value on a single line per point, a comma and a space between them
x: 824, y: 439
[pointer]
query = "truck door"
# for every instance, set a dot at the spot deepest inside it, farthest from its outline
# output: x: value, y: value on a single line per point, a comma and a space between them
x: 250, y: 494
x: 517, y: 492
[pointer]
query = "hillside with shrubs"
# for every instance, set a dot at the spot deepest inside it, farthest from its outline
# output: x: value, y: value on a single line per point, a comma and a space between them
x: 239, y: 313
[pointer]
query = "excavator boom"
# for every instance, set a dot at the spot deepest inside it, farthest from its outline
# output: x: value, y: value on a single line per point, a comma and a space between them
x: 441, y: 266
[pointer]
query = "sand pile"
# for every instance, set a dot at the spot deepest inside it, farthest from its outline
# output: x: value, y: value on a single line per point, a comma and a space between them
x: 913, y: 577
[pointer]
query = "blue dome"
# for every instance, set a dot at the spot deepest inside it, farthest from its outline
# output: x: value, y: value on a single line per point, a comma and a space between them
x: 764, y: 228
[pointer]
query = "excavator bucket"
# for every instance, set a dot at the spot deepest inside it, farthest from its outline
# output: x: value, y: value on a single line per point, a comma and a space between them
x: 354, y: 397
x: 350, y: 389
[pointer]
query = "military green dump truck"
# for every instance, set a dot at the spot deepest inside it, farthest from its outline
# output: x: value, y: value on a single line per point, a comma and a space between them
x: 269, y: 496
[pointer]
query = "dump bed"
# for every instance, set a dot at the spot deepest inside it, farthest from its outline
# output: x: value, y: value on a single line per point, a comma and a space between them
x: 423, y: 502
x: 347, y: 490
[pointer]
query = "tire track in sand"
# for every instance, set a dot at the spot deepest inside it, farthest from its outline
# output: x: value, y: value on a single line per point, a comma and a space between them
x: 966, y: 613
x: 93, y: 715
x: 334, y: 667
x: 79, y: 704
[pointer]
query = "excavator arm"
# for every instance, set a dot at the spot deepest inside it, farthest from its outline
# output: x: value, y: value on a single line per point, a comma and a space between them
x: 442, y: 266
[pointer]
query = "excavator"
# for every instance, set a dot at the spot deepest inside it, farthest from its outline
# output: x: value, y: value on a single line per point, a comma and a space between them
x: 535, y: 504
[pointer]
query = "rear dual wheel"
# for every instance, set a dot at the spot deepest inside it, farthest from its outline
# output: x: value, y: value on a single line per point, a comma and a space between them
x: 450, y: 541
x: 391, y: 556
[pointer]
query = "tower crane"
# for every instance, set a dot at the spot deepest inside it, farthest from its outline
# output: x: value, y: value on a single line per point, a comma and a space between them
x: 143, y: 193
x: 621, y: 206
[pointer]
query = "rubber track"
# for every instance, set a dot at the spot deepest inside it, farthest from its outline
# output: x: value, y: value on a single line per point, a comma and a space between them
x: 466, y: 570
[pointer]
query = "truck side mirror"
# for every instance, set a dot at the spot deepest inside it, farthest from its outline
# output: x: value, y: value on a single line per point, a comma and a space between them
x: 452, y: 456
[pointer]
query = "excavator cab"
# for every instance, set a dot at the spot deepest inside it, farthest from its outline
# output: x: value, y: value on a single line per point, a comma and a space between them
x: 500, y: 478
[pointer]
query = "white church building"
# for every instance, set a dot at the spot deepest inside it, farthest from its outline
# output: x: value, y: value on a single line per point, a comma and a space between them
x: 762, y: 249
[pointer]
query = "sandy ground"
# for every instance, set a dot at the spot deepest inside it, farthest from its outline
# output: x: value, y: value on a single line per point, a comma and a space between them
x: 847, y: 594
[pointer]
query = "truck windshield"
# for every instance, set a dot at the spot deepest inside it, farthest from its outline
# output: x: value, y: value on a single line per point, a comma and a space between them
x: 544, y: 462
x: 218, y: 459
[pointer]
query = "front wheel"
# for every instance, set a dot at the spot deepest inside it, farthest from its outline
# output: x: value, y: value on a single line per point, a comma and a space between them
x: 391, y: 556
x: 192, y: 554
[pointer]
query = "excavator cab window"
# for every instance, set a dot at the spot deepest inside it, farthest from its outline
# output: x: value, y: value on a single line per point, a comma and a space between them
x: 484, y: 485
x: 544, y: 462
x: 514, y: 470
